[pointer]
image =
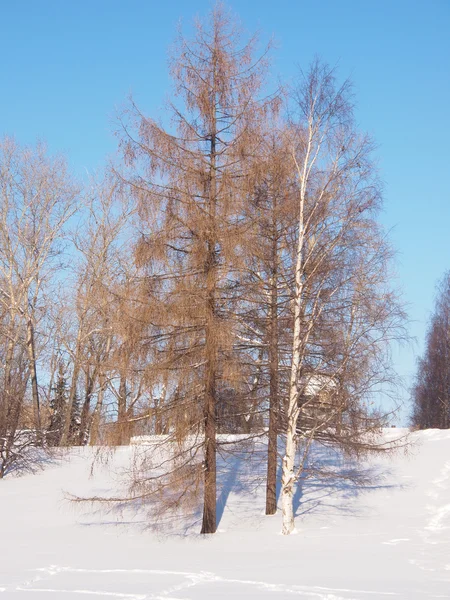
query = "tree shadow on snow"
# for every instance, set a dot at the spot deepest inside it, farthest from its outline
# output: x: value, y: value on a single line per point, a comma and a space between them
x: 33, y: 460
x: 241, y: 473
x: 330, y: 484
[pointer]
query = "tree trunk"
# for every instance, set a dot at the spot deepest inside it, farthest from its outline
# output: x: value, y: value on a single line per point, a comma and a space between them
x: 288, y: 463
x: 288, y: 474
x: 6, y: 398
x: 123, y: 434
x: 209, y: 524
x: 10, y: 408
x: 293, y: 410
x: 272, y: 453
x: 158, y: 404
x: 94, y: 424
x: 33, y: 373
x: 84, y: 419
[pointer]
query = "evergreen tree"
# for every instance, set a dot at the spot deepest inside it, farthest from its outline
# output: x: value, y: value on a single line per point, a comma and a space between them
x: 75, y: 422
x: 58, y: 407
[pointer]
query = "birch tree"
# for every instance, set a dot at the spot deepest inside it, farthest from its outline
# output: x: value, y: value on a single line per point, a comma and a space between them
x: 341, y: 277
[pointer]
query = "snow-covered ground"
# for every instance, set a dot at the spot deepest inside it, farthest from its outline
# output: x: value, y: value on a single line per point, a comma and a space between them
x: 391, y: 540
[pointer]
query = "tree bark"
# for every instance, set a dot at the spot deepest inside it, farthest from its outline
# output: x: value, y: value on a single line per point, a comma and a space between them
x: 123, y: 434
x: 94, y: 425
x: 293, y: 410
x: 209, y: 523
x: 272, y: 453
x: 288, y: 463
x: 84, y: 419
x: 6, y: 395
x: 31, y: 350
x: 8, y: 411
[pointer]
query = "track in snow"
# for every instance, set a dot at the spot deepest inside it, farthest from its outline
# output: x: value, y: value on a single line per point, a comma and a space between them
x: 154, y: 584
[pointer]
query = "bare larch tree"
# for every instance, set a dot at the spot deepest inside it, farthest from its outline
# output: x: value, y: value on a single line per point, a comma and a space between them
x: 190, y: 184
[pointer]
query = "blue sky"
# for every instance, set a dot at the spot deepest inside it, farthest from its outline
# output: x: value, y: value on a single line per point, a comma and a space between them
x: 66, y: 68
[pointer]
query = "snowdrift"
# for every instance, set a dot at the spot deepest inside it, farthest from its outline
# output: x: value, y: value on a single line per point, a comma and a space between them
x: 390, y: 538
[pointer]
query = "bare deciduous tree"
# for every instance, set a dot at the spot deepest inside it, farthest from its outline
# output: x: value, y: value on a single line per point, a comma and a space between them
x: 431, y: 392
x: 37, y: 199
x: 90, y: 338
x: 345, y: 315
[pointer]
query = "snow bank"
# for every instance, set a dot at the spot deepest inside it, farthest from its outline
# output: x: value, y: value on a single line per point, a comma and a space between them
x: 389, y: 540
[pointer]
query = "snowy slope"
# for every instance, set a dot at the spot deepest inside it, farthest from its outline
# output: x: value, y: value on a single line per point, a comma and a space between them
x: 389, y: 541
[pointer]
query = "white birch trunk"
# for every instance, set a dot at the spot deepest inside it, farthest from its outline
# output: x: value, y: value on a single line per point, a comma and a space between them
x: 288, y: 464
x: 288, y: 473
